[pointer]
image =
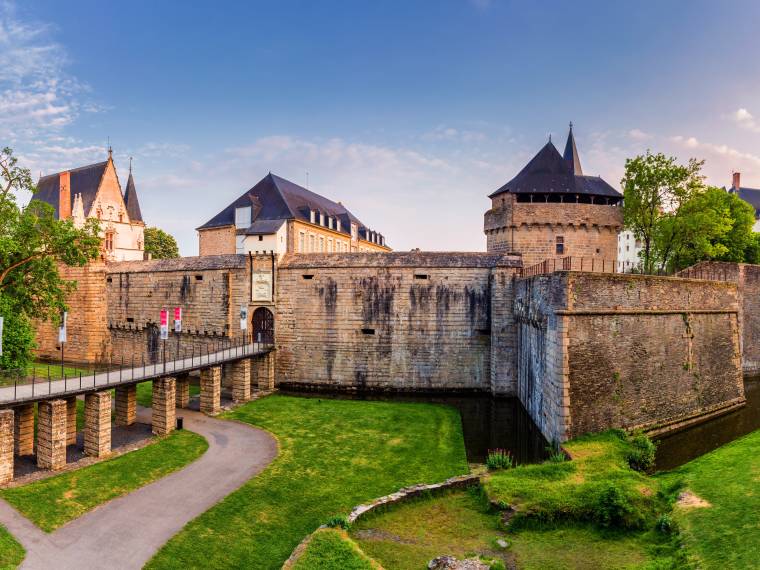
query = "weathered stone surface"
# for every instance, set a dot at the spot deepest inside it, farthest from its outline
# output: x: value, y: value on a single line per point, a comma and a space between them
x: 6, y: 445
x: 126, y: 405
x: 164, y: 406
x: 183, y: 391
x: 452, y: 563
x: 71, y: 420
x: 97, y: 423
x: 23, y: 429
x: 241, y: 380
x: 51, y: 434
x: 211, y: 390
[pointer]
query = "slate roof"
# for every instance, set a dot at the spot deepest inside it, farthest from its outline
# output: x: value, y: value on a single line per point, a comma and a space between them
x: 275, y: 198
x: 85, y: 180
x: 751, y: 195
x: 264, y: 227
x: 131, y: 201
x: 551, y: 173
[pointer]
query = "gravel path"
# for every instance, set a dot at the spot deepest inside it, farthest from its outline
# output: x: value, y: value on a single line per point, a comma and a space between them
x: 127, y: 532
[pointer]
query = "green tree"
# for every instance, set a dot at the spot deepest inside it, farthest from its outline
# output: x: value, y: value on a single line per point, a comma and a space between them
x: 655, y: 189
x: 160, y: 244
x: 32, y: 244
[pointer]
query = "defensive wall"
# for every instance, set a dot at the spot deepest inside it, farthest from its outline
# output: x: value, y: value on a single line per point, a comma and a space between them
x: 602, y: 350
x: 582, y: 351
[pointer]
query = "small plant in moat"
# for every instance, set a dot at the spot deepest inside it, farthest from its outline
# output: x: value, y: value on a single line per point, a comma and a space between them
x: 499, y: 459
x: 642, y: 454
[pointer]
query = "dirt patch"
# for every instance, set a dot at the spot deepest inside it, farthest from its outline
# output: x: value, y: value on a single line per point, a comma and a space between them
x: 378, y: 534
x: 689, y: 500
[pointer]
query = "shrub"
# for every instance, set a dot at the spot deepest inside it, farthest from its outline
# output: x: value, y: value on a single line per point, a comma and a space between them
x: 642, y: 454
x: 665, y: 524
x: 499, y: 459
x: 338, y: 521
x: 614, y: 509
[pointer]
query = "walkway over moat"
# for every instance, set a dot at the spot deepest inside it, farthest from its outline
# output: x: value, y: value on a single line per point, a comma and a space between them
x: 123, y: 375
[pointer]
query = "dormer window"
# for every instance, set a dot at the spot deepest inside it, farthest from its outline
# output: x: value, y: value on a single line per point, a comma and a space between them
x: 321, y: 219
x: 338, y: 225
x: 242, y: 217
x: 354, y: 232
x: 330, y: 222
x: 313, y: 216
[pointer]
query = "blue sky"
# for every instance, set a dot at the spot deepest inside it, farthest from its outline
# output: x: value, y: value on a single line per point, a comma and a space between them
x: 411, y: 113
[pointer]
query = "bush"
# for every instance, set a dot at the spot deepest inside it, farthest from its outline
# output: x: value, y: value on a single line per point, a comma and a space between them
x: 665, y: 524
x: 18, y: 336
x: 614, y: 509
x: 642, y: 454
x: 338, y: 521
x: 499, y: 459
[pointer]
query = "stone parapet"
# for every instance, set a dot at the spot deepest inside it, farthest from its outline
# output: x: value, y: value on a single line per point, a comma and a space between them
x: 164, y: 402
x: 51, y: 434
x: 97, y: 424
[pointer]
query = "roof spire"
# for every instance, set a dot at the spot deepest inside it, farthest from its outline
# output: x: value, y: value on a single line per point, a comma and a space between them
x: 130, y: 165
x: 110, y: 150
x: 571, y: 154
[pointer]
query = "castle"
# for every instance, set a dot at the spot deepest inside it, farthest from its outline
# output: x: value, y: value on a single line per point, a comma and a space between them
x: 94, y: 191
x: 584, y: 348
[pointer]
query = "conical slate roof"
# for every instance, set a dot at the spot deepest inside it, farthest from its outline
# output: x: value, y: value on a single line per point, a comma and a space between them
x: 551, y: 173
x: 131, y: 201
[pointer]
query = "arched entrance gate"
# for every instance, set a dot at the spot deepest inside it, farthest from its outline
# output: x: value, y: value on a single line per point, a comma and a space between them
x: 263, y: 326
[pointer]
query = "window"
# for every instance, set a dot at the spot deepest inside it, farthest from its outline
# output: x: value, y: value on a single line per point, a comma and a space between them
x: 301, y: 242
x: 121, y: 217
x: 261, y: 238
x: 329, y: 245
x: 354, y: 232
x: 337, y: 225
x: 239, y: 244
x: 312, y: 216
x: 638, y: 243
x: 321, y: 219
x: 628, y: 248
x: 109, y: 241
x: 242, y: 217
x: 321, y: 244
x: 312, y: 243
x: 560, y: 245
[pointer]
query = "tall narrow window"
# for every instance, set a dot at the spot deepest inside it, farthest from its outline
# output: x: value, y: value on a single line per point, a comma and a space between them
x: 242, y: 217
x: 301, y: 242
x: 560, y: 245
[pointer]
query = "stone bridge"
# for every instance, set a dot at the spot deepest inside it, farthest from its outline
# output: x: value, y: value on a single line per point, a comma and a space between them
x: 251, y: 366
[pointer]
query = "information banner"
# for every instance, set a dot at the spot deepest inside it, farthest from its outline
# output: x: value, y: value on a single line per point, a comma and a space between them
x: 243, y: 317
x: 164, y: 324
x: 177, y: 319
x: 62, y: 328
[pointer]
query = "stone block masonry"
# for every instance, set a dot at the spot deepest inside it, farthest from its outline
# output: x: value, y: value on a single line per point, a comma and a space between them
x: 71, y: 420
x: 241, y: 380
x: 263, y: 368
x: 211, y: 390
x: 24, y: 429
x: 183, y: 391
x: 51, y: 434
x: 126, y: 405
x: 598, y: 351
x: 164, y: 401
x: 97, y: 424
x: 6, y: 445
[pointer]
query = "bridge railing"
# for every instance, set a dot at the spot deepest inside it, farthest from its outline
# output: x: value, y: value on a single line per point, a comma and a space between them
x: 58, y: 379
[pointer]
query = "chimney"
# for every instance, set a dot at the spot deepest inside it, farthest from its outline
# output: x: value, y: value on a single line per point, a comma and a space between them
x: 737, y: 176
x: 64, y: 195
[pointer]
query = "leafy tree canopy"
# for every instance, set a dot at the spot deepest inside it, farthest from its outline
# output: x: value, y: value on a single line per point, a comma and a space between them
x: 32, y: 244
x: 160, y: 245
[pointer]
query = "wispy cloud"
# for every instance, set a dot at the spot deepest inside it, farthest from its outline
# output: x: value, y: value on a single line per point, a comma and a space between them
x: 639, y: 135
x: 745, y: 120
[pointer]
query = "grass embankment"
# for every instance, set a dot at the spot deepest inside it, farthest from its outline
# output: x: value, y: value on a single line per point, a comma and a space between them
x: 51, y: 503
x: 11, y: 552
x: 723, y: 529
x: 332, y: 548
x: 334, y: 454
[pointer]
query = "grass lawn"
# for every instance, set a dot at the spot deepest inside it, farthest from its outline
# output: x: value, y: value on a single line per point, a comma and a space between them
x: 333, y: 455
x: 51, y: 503
x: 332, y: 548
x: 41, y: 369
x: 725, y: 533
x: 11, y: 552
x: 145, y: 393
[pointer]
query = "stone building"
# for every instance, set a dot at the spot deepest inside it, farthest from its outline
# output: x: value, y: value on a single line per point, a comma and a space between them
x: 750, y: 195
x: 278, y: 216
x: 552, y: 210
x: 94, y: 191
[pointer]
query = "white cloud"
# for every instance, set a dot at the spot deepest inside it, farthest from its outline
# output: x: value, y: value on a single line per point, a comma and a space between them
x: 639, y: 135
x: 746, y: 120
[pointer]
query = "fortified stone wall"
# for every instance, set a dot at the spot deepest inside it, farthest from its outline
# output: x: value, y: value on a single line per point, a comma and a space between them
x: 590, y: 359
x: 532, y: 229
x: 747, y: 279
x: 217, y: 241
x: 402, y: 321
x: 88, y: 338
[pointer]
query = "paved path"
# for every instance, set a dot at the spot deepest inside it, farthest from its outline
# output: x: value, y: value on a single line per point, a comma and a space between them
x: 28, y: 391
x: 126, y: 532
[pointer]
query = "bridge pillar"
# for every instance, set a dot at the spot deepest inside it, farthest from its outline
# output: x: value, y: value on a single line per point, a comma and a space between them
x: 6, y: 445
x: 71, y: 420
x: 23, y: 432
x: 97, y: 423
x: 164, y: 415
x: 211, y: 390
x: 126, y: 405
x: 183, y: 391
x: 264, y: 367
x: 51, y: 434
x: 241, y: 380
